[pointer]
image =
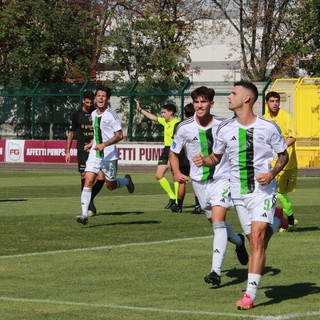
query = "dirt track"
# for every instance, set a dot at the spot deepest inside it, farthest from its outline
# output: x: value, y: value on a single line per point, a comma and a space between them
x: 303, y: 172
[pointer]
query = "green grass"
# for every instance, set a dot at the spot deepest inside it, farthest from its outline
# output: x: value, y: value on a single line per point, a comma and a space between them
x: 136, y: 260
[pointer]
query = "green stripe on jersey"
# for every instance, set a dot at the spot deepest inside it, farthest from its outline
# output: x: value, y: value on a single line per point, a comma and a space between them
x: 97, y: 134
x: 203, y: 136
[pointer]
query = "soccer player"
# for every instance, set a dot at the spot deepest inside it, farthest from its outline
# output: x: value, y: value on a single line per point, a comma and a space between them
x: 184, y: 167
x: 168, y: 121
x: 81, y: 128
x: 287, y: 178
x: 249, y: 142
x: 212, y: 186
x: 103, y: 155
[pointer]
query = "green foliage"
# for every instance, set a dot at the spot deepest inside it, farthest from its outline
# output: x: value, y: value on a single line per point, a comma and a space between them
x: 149, y: 43
x: 136, y: 260
x: 306, y: 44
x: 149, y: 40
x: 45, y: 41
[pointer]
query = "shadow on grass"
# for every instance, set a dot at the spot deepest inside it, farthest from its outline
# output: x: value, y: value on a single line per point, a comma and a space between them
x: 118, y: 213
x: 305, y: 229
x: 13, y: 200
x: 240, y: 275
x: 278, y: 294
x: 122, y: 223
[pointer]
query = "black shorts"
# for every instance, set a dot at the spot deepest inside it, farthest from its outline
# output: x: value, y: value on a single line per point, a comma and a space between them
x: 185, y: 170
x: 164, y: 157
x: 82, y: 159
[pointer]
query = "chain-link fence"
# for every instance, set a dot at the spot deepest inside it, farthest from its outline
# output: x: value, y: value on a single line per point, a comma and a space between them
x: 42, y: 111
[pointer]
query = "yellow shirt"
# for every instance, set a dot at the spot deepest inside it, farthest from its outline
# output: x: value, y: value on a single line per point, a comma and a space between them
x: 285, y: 122
x: 168, y: 129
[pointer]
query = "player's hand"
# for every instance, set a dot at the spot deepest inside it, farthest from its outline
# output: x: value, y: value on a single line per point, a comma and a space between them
x: 264, y: 178
x: 198, y: 159
x: 67, y: 157
x: 99, y: 147
x: 181, y: 178
x: 137, y: 104
x: 87, y: 147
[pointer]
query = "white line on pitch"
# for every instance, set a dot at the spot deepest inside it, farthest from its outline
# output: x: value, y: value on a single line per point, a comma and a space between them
x: 125, y: 245
x: 146, y: 309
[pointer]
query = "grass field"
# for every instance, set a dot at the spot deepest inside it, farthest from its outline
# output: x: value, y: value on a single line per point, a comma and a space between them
x: 136, y: 260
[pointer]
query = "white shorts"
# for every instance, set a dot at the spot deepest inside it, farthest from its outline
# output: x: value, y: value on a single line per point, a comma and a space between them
x: 212, y: 193
x: 258, y: 206
x: 108, y: 167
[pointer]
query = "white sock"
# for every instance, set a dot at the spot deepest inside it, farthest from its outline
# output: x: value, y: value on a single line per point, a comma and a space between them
x: 253, y: 284
x: 220, y: 242
x: 85, y: 200
x: 232, y: 236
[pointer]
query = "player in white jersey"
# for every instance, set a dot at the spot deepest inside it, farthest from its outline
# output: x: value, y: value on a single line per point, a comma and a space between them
x: 249, y: 142
x: 103, y: 156
x: 211, y: 186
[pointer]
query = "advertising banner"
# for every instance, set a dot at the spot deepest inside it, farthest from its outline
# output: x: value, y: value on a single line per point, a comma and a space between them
x: 54, y: 151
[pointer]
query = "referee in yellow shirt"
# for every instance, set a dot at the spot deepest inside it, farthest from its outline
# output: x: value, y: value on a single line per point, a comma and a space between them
x: 168, y: 121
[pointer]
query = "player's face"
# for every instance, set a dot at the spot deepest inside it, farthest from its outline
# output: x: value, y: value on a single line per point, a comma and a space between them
x: 87, y: 103
x: 236, y: 98
x: 101, y: 99
x: 202, y: 106
x: 274, y: 105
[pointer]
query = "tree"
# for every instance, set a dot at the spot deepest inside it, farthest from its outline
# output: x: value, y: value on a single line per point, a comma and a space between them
x: 267, y: 31
x: 150, y: 41
x: 46, y: 41
x: 306, y: 42
x: 151, y: 38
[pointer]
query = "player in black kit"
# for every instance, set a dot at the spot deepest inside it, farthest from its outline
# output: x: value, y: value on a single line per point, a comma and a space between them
x: 81, y: 128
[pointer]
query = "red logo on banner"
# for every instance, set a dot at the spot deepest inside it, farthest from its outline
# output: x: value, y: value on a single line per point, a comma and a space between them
x: 14, y: 151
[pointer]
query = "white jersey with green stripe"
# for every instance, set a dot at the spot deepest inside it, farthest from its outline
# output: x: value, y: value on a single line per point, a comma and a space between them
x: 250, y: 150
x: 196, y: 139
x: 104, y: 127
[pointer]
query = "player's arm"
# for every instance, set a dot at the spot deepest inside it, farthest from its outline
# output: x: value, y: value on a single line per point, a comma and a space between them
x: 174, y: 162
x: 281, y: 162
x: 266, y: 177
x: 209, y: 161
x: 118, y: 136
x: 290, y: 141
x: 69, y: 144
x: 147, y: 114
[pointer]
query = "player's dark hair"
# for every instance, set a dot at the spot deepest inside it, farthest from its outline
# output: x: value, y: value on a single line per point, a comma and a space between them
x: 170, y: 107
x: 189, y: 110
x: 272, y: 94
x: 250, y: 86
x: 205, y: 92
x: 88, y: 94
x: 106, y: 89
